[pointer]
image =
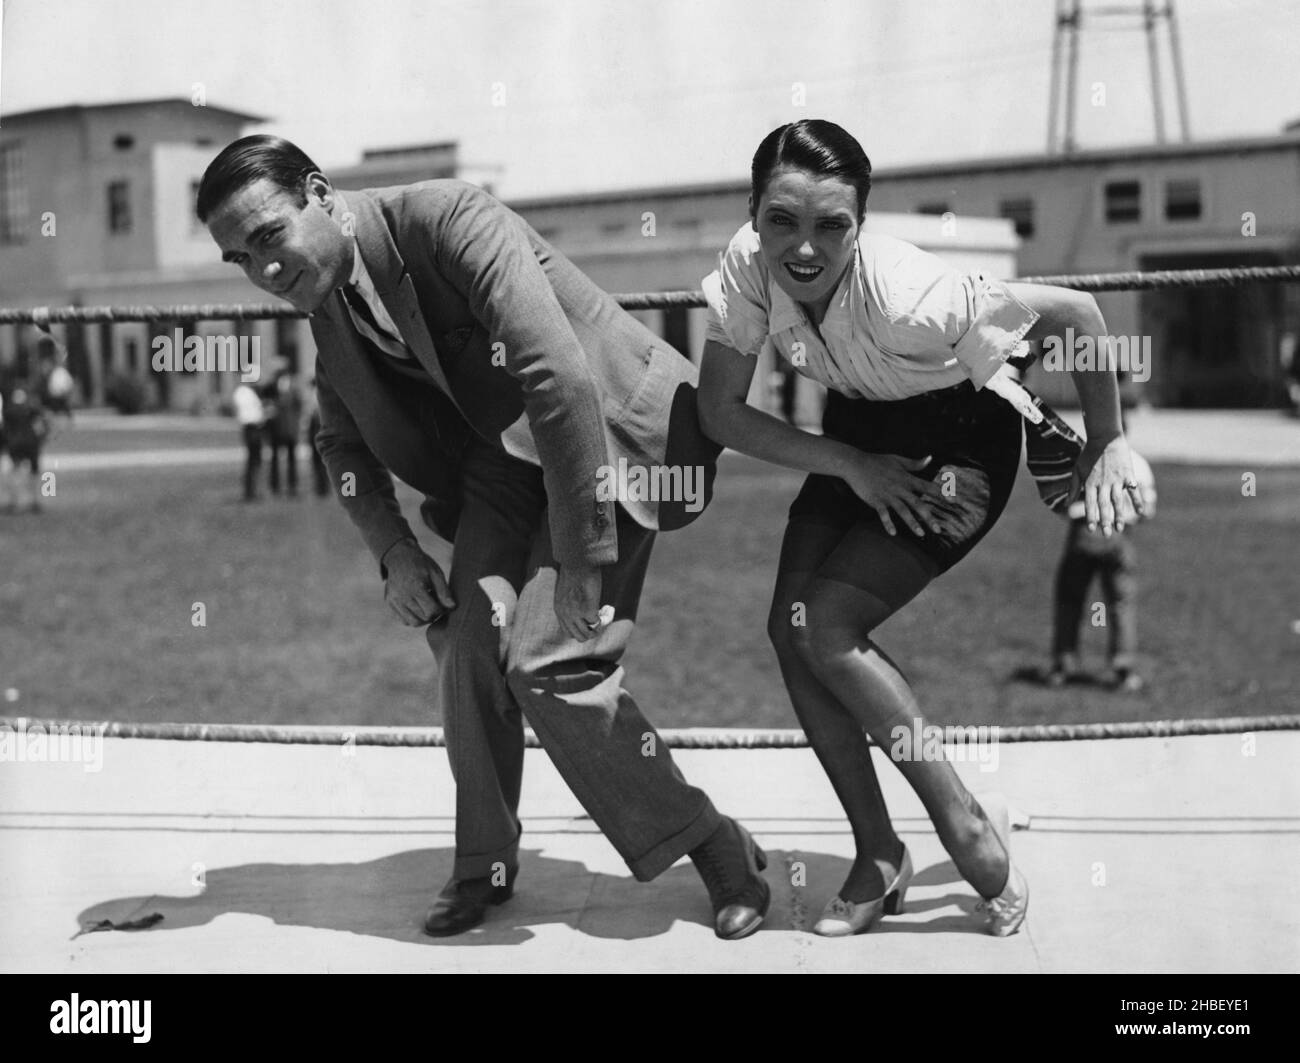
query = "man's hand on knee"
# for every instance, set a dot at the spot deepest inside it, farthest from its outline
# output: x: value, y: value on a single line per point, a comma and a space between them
x: 416, y: 590
x: 577, y: 601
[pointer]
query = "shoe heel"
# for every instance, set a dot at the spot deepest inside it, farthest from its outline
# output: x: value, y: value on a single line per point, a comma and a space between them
x: 895, y: 899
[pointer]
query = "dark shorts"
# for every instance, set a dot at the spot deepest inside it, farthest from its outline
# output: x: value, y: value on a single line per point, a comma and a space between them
x: 973, y: 439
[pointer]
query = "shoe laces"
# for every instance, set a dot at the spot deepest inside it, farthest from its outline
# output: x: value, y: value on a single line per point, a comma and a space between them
x: 1002, y: 904
x: 713, y: 869
x: 839, y: 907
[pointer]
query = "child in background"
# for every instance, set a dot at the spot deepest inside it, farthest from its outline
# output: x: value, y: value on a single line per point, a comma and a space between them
x: 1114, y: 559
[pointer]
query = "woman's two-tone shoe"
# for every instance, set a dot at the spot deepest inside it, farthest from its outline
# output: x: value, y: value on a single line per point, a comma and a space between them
x: 1006, y: 911
x: 842, y: 918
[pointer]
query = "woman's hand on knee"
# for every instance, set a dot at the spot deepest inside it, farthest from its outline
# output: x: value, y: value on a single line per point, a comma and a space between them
x: 888, y: 484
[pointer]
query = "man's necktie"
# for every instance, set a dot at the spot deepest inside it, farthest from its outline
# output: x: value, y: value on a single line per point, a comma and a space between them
x: 361, y: 308
x: 388, y: 343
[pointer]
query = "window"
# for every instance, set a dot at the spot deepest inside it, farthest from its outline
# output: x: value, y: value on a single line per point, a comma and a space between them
x: 1021, y: 213
x: 933, y: 208
x: 1123, y: 201
x: 124, y: 142
x: 687, y: 225
x: 13, y: 195
x: 1182, y: 200
x: 119, y: 207
x: 613, y: 228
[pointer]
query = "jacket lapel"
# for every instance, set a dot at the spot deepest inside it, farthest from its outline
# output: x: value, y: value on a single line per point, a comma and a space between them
x: 393, y: 284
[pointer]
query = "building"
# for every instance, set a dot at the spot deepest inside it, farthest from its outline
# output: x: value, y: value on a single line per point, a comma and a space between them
x: 96, y: 207
x: 1171, y: 206
x: 1176, y: 206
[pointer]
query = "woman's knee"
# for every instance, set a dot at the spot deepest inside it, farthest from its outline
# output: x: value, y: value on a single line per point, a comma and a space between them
x: 827, y: 641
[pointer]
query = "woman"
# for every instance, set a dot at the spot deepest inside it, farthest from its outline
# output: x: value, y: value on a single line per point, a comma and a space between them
x: 916, y: 462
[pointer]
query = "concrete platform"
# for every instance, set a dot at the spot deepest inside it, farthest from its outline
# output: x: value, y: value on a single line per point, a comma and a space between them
x: 1151, y: 855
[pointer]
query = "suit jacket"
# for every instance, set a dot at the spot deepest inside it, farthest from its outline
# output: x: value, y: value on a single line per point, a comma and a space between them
x: 506, y: 327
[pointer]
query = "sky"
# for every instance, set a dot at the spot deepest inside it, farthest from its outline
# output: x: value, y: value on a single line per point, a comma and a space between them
x: 587, y: 95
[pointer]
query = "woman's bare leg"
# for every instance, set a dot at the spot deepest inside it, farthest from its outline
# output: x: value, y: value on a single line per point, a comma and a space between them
x: 838, y: 651
x: 834, y: 733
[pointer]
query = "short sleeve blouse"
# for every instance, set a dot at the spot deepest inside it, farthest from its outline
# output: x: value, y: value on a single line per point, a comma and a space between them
x: 902, y: 321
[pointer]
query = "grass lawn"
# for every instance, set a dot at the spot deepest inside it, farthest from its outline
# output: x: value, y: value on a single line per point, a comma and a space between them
x: 97, y: 596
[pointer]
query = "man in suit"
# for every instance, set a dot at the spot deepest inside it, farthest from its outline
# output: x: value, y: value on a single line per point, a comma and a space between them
x: 463, y: 354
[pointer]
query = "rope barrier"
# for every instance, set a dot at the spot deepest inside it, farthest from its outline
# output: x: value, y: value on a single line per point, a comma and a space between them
x: 674, y: 738
x: 693, y: 738
x: 1130, y: 280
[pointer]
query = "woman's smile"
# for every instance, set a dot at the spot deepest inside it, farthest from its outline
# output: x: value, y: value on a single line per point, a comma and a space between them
x: 804, y: 273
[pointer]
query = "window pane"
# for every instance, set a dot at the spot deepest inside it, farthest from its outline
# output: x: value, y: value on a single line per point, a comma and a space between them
x: 119, y: 207
x: 1021, y: 212
x: 13, y: 195
x: 1182, y: 200
x: 1123, y: 201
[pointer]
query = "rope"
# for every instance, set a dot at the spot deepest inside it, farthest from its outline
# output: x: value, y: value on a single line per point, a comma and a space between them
x: 1131, y: 280
x: 42, y: 317
x: 684, y: 738
x: 1136, y: 280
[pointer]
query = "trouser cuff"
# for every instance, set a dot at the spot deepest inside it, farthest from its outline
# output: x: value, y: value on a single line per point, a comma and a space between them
x: 661, y: 857
x: 484, y: 865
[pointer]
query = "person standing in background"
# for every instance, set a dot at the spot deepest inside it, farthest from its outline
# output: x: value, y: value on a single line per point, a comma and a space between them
x: 248, y: 412
x: 282, y: 429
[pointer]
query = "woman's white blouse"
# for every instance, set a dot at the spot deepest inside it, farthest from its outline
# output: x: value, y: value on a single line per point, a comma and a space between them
x: 902, y: 321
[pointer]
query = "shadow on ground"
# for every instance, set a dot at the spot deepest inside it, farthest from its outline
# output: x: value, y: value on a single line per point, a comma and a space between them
x: 388, y: 898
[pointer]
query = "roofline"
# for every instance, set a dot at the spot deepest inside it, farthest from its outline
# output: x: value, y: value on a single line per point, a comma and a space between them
x: 71, y: 108
x: 372, y: 154
x: 707, y: 188
x: 1133, y: 153
x: 1128, y: 153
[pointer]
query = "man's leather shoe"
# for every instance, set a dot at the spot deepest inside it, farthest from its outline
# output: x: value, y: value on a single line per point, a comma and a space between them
x: 463, y: 904
x: 730, y: 862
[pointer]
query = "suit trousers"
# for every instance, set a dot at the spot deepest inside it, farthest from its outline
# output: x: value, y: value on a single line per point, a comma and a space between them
x: 502, y: 652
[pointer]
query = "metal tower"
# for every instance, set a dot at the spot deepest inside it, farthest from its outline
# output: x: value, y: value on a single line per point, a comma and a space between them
x: 1065, y: 62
